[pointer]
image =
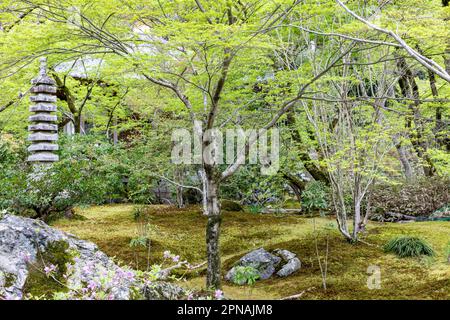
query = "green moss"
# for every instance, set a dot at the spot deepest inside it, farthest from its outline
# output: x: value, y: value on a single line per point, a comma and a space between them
x: 9, y: 279
x: 182, y: 231
x: 292, y: 204
x: 38, y: 283
x: 230, y: 205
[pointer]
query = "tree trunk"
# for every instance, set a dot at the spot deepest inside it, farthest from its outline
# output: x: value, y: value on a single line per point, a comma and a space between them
x: 179, y: 189
x: 410, y: 90
x: 339, y: 205
x: 213, y: 276
x: 296, y: 184
x: 202, y: 176
x: 357, y: 223
x: 319, y: 174
x: 407, y: 169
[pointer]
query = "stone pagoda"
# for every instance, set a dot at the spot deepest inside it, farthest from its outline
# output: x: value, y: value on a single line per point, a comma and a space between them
x: 43, y: 127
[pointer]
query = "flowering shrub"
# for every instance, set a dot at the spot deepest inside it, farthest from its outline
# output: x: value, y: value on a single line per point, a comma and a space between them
x: 90, y: 280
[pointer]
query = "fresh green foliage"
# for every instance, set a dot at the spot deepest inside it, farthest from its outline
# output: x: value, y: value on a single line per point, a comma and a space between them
x: 82, y: 176
x: 315, y: 196
x: 245, y: 275
x: 406, y: 246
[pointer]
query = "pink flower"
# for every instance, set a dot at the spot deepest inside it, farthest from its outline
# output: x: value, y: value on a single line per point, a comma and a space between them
x: 218, y: 294
x: 190, y: 296
x: 26, y: 257
x: 49, y: 269
x: 129, y: 275
x: 176, y: 258
x: 167, y: 254
x: 92, y: 285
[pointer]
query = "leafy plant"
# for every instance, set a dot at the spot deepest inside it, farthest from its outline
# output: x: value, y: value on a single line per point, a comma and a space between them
x: 255, y: 209
x: 406, y: 246
x: 315, y: 196
x: 245, y: 275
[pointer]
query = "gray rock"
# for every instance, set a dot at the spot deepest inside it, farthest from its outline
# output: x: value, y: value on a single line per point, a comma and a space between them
x: 282, y: 262
x: 290, y: 267
x: 284, y: 254
x: 440, y: 214
x: 22, y: 240
x: 164, y: 291
x: 264, y: 262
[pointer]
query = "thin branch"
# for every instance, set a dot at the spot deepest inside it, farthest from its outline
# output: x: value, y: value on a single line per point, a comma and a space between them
x: 426, y: 62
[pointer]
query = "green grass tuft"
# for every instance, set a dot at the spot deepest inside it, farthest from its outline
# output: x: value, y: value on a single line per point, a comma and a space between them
x: 406, y: 246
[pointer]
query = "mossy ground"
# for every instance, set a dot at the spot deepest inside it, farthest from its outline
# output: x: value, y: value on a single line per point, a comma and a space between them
x: 182, y: 232
x: 38, y: 284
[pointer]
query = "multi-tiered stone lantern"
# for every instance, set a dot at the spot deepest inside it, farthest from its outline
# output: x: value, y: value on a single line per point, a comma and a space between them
x: 43, y: 127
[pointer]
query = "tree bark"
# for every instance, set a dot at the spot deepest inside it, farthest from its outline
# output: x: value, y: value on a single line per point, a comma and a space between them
x: 296, y: 184
x: 213, y: 275
x: 179, y: 188
x: 406, y: 165
x: 410, y: 90
x: 317, y: 173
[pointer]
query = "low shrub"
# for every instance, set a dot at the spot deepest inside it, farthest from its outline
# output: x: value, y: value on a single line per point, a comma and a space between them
x: 230, y: 205
x: 418, y: 198
x: 315, y: 196
x: 406, y: 246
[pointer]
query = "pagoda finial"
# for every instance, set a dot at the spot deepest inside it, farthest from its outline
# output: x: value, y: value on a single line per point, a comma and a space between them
x: 43, y: 67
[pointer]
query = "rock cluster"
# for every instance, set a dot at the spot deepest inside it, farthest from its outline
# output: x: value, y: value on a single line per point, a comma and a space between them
x: 280, y: 262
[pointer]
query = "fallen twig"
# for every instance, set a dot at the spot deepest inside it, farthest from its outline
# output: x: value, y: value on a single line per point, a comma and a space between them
x: 298, y: 295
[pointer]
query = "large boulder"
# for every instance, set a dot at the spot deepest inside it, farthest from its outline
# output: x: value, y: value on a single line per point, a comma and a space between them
x: 264, y: 262
x: 280, y: 262
x: 25, y: 243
